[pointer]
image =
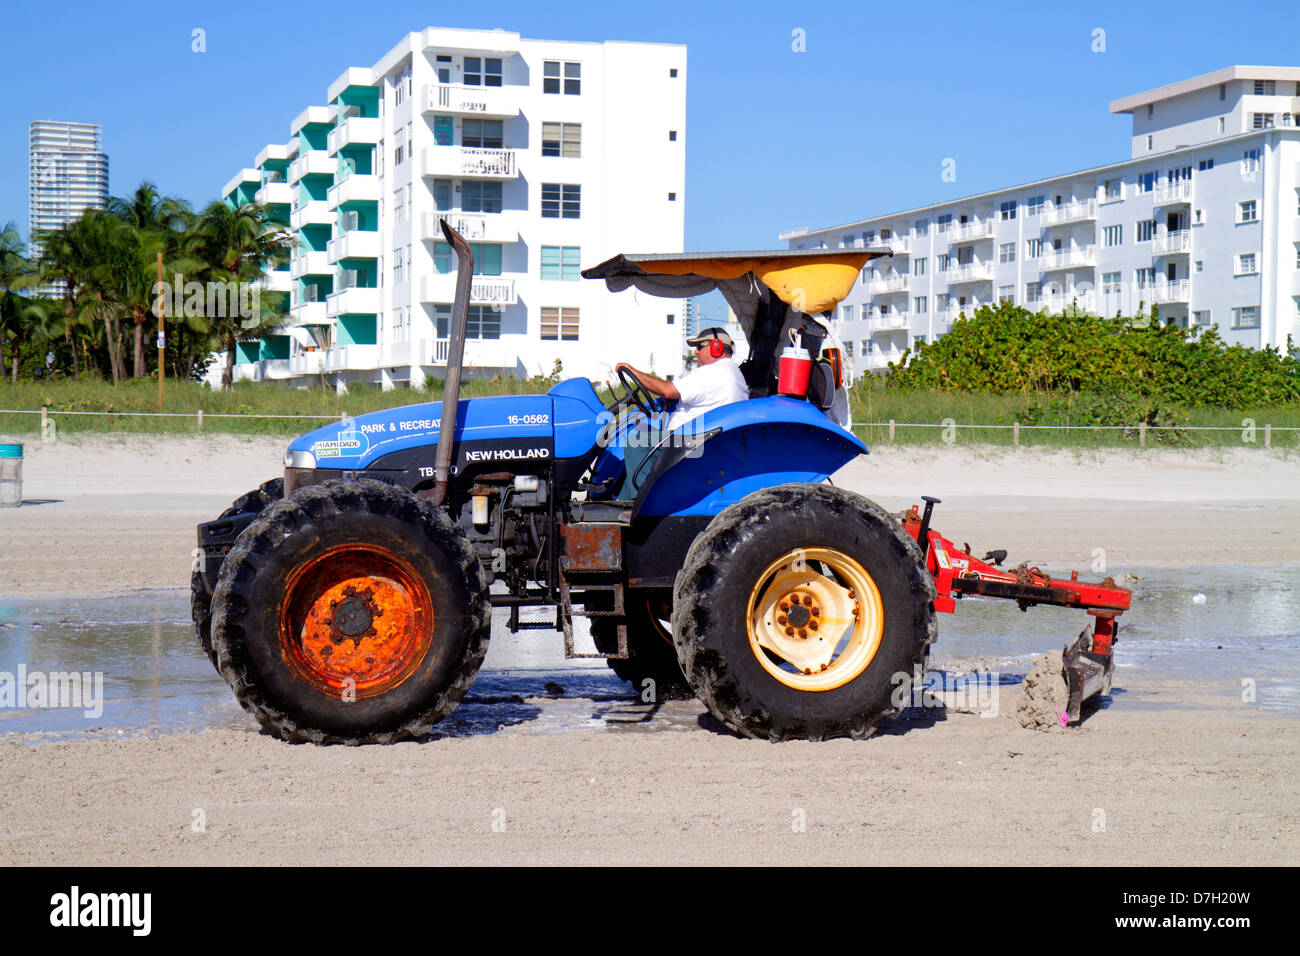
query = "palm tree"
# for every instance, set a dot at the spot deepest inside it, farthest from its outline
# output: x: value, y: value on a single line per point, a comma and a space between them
x: 19, y: 315
x: 238, y: 243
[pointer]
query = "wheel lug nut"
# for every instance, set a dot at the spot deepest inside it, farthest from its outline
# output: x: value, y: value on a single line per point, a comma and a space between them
x: 807, y: 601
x: 781, y: 620
x: 816, y: 611
x: 803, y: 632
x: 790, y: 631
x: 813, y: 625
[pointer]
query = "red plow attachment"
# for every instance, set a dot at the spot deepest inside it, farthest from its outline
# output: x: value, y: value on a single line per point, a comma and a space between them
x: 1089, y: 661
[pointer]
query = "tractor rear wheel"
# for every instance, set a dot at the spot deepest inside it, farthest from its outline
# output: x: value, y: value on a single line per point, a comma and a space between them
x: 801, y: 613
x: 255, y: 501
x: 651, y: 655
x: 350, y: 612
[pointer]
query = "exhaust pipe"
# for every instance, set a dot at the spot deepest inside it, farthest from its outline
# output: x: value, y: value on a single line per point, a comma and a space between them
x: 455, y: 355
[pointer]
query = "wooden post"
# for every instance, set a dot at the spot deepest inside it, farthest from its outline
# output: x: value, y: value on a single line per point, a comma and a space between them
x: 1015, y: 434
x: 45, y: 425
x: 891, y: 429
x: 1142, y: 434
x: 162, y: 338
x: 200, y: 419
x: 1268, y: 436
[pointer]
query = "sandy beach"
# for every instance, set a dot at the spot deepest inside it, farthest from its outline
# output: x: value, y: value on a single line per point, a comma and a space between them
x: 1171, y: 772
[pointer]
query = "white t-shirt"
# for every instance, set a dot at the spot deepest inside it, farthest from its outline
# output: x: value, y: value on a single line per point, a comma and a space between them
x: 706, y: 388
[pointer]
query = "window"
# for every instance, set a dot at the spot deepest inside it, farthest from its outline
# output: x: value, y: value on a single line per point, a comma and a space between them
x: 1150, y: 142
x: 561, y: 200
x: 1250, y: 162
x: 1245, y: 317
x: 1198, y: 217
x: 1033, y: 248
x: 1008, y: 209
x: 944, y: 222
x: 1146, y: 230
x: 560, y: 262
x: 672, y: 136
x: 1151, y: 110
x: 559, y: 324
x: 1033, y: 292
x: 1223, y: 91
x: 945, y: 262
x: 1261, y: 120
x: 482, y: 71
x: 672, y: 73
x: 1222, y: 121
x: 442, y: 194
x: 397, y: 265
x: 399, y: 147
x: 1265, y: 87
x: 1113, y: 235
x: 672, y: 197
x: 557, y: 75
x: 1145, y: 277
x: 399, y: 207
x: 1246, y: 211
x: 1110, y: 282
x: 1007, y: 252
x: 1199, y: 265
x: 919, y: 266
x: 1033, y: 205
x: 921, y: 303
x: 922, y: 227
x: 444, y: 67
x: 1146, y: 182
x: 848, y: 348
x: 1180, y: 174
x: 1113, y: 190
x: 1201, y: 318
x: 481, y: 134
x: 1006, y: 293
x: 480, y: 197
x: 482, y: 322
x: 1246, y: 264
x: 443, y: 130
x: 1204, y: 165
x: 562, y: 139
x: 965, y: 255
x: 487, y: 258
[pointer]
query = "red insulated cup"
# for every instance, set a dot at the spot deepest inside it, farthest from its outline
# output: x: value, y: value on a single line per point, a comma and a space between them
x: 796, y: 364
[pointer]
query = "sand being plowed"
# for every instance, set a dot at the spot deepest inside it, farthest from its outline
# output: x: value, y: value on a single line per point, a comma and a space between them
x: 1043, y: 695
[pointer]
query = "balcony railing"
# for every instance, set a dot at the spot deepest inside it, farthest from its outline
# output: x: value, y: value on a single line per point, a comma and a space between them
x: 898, y: 244
x: 278, y: 193
x: 886, y: 284
x: 1172, y: 243
x: 497, y: 101
x: 971, y: 272
x: 969, y: 231
x: 307, y: 363
x: 1169, y: 193
x: 354, y: 245
x: 891, y: 322
x: 354, y: 301
x: 314, y: 213
x: 310, y: 264
x: 473, y: 226
x: 1177, y: 291
x: 1077, y: 211
x: 315, y: 162
x: 470, y: 161
x: 877, y: 359
x: 1064, y: 302
x: 1083, y: 257
x: 356, y: 188
x: 483, y: 290
x: 355, y: 130
x: 345, y: 357
x: 479, y: 353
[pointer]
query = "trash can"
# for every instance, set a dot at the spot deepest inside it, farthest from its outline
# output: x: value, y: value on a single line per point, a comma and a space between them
x: 11, y: 476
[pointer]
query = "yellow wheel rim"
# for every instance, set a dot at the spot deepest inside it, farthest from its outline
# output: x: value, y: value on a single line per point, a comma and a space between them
x: 815, y: 619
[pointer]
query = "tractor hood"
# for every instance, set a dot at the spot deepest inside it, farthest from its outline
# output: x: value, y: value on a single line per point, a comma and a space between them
x: 508, y: 429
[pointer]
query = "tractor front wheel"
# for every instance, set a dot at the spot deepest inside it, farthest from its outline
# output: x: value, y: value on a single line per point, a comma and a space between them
x: 350, y: 612
x: 801, y: 613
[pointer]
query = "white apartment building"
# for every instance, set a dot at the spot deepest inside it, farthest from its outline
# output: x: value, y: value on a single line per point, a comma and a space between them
x: 67, y: 173
x: 548, y: 156
x: 1202, y: 222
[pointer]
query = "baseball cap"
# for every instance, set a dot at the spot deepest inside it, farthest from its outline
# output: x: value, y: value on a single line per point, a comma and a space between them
x: 708, y: 335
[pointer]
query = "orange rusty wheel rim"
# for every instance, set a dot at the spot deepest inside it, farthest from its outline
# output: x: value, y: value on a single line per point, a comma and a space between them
x: 355, y: 620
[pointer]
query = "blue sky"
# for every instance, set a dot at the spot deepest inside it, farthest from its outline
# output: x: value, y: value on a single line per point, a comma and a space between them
x: 857, y: 125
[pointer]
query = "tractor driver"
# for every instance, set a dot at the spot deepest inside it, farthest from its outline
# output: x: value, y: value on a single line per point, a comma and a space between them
x: 715, y: 381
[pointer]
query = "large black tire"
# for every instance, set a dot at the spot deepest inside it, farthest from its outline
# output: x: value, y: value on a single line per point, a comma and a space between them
x: 350, y: 582
x: 651, y: 654
x: 803, y: 540
x: 255, y: 501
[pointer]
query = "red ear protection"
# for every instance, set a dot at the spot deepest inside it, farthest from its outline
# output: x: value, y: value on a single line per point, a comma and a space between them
x: 716, y: 348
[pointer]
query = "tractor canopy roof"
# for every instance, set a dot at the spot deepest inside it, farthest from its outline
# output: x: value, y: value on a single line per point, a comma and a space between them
x: 809, y: 281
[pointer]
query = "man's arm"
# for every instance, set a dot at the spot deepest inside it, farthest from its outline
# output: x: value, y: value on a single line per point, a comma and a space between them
x: 657, y: 386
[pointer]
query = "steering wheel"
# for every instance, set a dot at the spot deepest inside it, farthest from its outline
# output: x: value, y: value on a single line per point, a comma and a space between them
x: 640, y: 395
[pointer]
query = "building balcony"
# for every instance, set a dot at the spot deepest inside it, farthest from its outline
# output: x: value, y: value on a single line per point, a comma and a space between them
x: 307, y: 363
x: 354, y: 245
x: 351, y: 357
x: 354, y: 301
x: 1173, y: 193
x: 310, y: 264
x: 950, y: 312
x: 1076, y: 211
x: 479, y: 353
x: 971, y: 272
x: 877, y: 359
x: 473, y: 226
x: 469, y: 161
x: 891, y: 322
x: 356, y: 188
x: 314, y: 213
x: 275, y: 194
x: 886, y: 284
x: 497, y: 102
x: 1084, y: 257
x: 898, y: 245
x: 354, y: 131
x: 1165, y: 292
x: 971, y: 231
x: 1064, y: 302
x: 315, y: 162
x: 1172, y: 243
x: 483, y: 290
x: 310, y: 313
x: 396, y: 354
x: 276, y: 281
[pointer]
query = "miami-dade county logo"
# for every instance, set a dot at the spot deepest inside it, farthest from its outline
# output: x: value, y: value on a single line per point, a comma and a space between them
x: 351, y: 443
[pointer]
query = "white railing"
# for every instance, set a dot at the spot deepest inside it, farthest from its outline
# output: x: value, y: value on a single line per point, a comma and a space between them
x: 313, y: 213
x: 307, y: 363
x: 483, y: 290
x: 1075, y: 211
x: 278, y: 193
x: 364, y: 130
x: 899, y: 244
x: 890, y: 323
x: 1180, y: 191
x: 1169, y: 243
x: 354, y: 301
x: 479, y: 353
x: 894, y: 283
x: 878, y: 360
x: 1081, y: 257
x: 469, y: 161
x: 474, y: 226
x: 966, y: 231
x: 351, y: 357
x: 1064, y: 302
x: 356, y: 188
x: 401, y: 353
x: 470, y: 100
x: 354, y: 245
x: 971, y: 272
x: 310, y: 264
x: 1177, y: 291
x: 312, y: 163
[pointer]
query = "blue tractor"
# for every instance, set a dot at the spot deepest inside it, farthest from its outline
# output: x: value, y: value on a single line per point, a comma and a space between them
x: 351, y: 600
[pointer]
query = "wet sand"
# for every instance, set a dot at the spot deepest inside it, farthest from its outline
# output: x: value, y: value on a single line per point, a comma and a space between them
x: 1172, y: 771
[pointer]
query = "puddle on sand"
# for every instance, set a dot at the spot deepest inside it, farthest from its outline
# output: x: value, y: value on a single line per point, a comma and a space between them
x: 156, y: 679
